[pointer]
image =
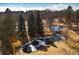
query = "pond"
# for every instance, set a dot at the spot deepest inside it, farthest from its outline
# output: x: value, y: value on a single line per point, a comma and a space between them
x: 56, y: 28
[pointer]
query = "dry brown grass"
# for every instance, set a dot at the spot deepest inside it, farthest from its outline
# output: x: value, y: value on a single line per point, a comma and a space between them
x: 15, y: 43
x: 73, y: 35
x: 47, y: 31
x: 73, y: 41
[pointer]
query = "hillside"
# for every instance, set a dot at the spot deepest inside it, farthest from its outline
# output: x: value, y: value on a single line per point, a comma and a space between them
x: 62, y: 47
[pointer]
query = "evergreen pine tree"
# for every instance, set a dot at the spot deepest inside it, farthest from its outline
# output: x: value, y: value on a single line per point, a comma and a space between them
x: 39, y: 27
x: 22, y: 29
x: 31, y: 25
x: 7, y: 28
